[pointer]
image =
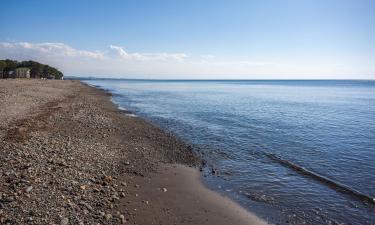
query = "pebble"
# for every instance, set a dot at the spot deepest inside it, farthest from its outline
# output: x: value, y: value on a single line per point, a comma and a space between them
x: 122, y: 218
x: 108, y: 178
x: 64, y: 221
x: 114, y: 198
x: 28, y: 189
x: 108, y: 216
x: 69, y: 162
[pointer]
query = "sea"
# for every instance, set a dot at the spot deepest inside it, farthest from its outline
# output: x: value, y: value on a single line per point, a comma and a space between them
x: 291, y: 151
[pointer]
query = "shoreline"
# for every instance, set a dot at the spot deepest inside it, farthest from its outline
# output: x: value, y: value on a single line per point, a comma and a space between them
x: 97, y: 164
x: 175, y: 194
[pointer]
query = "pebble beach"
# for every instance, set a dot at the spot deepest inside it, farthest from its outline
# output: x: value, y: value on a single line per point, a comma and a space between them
x: 70, y: 156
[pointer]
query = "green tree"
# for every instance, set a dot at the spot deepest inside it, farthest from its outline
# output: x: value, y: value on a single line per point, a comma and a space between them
x: 36, y: 69
x: 2, y: 67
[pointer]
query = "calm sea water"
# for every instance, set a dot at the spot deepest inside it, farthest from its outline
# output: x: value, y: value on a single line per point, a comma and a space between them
x: 299, y: 152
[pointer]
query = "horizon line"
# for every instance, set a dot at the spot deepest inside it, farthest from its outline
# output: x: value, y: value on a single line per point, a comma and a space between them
x: 186, y: 79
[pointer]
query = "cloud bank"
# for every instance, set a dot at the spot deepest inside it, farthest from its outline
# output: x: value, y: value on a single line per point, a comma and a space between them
x: 115, y: 61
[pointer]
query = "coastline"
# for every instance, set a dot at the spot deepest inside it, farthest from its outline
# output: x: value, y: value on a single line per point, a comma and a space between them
x: 97, y: 164
x: 175, y: 194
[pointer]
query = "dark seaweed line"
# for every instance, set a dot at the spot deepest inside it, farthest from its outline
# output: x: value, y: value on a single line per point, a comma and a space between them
x: 336, y: 185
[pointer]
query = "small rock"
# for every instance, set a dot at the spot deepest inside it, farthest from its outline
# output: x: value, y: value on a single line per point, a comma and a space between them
x: 108, y: 178
x: 64, y: 221
x: 86, y: 205
x: 122, y: 218
x: 164, y: 189
x: 108, y: 216
x: 115, y: 197
x: 28, y: 189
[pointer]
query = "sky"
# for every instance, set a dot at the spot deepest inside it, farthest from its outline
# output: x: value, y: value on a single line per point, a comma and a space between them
x: 195, y: 39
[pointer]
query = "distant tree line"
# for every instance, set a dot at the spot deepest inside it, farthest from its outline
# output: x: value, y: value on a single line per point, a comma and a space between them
x: 37, y: 70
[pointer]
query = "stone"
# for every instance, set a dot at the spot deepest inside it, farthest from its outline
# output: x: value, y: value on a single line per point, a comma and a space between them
x: 164, y: 189
x: 108, y: 216
x: 64, y: 221
x: 108, y: 178
x: 122, y: 218
x: 114, y: 198
x: 29, y: 188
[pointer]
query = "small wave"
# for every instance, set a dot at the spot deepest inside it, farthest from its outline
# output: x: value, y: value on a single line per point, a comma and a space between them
x: 334, y: 184
x: 130, y: 115
x: 259, y: 197
x: 124, y: 110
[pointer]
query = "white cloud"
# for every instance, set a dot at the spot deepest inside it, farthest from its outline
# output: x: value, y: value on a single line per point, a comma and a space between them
x: 208, y: 57
x: 115, y: 61
x: 120, y: 52
x: 25, y: 49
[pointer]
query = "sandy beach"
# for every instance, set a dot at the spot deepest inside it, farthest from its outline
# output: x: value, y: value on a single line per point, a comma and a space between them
x: 69, y: 156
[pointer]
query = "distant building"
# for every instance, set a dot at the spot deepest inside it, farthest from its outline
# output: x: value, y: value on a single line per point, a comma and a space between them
x: 22, y: 72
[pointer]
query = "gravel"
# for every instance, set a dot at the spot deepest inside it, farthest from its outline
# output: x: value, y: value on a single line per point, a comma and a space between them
x: 63, y: 147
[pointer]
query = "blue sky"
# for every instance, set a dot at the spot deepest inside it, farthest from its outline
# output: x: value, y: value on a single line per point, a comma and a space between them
x: 264, y: 39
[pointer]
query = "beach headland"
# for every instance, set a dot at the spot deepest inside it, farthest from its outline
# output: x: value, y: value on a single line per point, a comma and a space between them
x: 69, y: 156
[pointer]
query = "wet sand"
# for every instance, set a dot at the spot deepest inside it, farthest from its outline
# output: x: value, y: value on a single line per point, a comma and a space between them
x: 175, y: 194
x: 69, y: 156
